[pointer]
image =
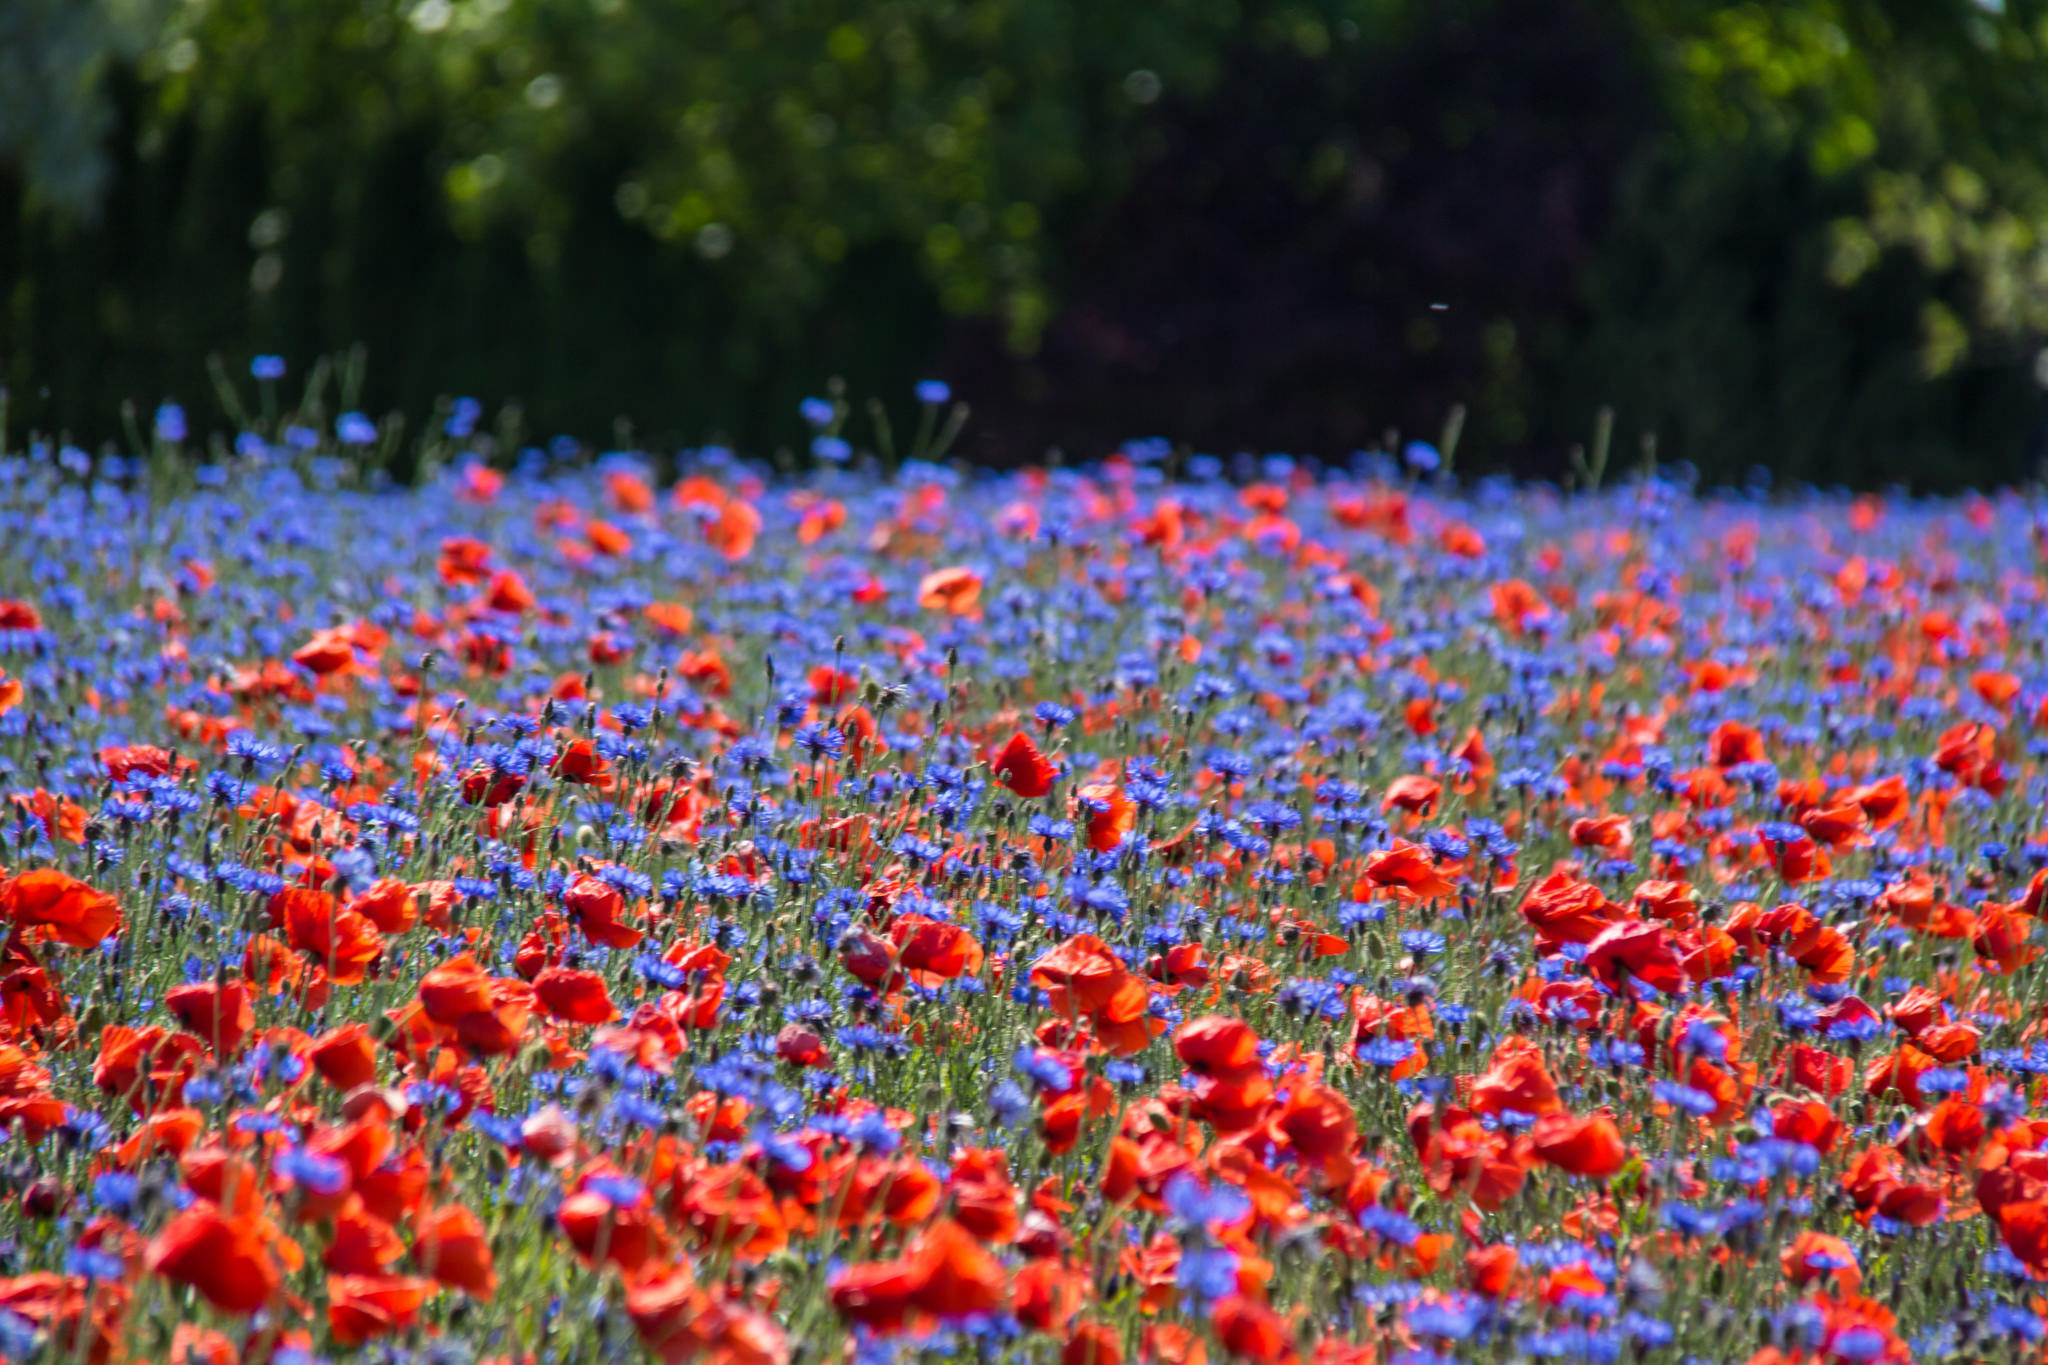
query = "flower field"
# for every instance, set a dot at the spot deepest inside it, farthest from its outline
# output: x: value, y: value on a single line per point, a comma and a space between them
x: 1102, y: 915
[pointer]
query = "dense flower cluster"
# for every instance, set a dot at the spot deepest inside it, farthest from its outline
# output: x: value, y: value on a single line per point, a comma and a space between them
x: 1300, y: 916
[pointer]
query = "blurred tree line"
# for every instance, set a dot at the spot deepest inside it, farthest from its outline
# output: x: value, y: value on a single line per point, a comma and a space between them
x: 1807, y: 235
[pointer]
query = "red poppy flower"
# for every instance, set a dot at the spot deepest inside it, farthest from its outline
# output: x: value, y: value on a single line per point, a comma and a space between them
x: 361, y: 1307
x: 192, y: 1344
x: 1612, y: 833
x: 220, y: 1014
x: 2024, y: 1228
x: 876, y: 1294
x: 1082, y: 974
x: 957, y: 1276
x: 1565, y: 910
x: 455, y: 989
x: 1734, y: 743
x: 1588, y: 1145
x: 1635, y: 950
x: 1885, y: 802
x: 953, y: 590
x: 681, y: 1324
x: 491, y: 787
x: 1414, y: 793
x: 346, y: 1057
x: 1807, y: 1121
x: 731, y: 1208
x: 2001, y: 940
x: 147, y: 1065
x: 1460, y: 1154
x: 599, y: 909
x: 1250, y: 1330
x: 464, y: 560
x: 867, y: 955
x: 1516, y: 1079
x: 934, y: 950
x: 453, y: 1248
x: 1046, y: 1296
x: 336, y: 938
x: 391, y: 905
x: 1317, y: 1122
x: 983, y: 1199
x: 72, y: 911
x: 171, y: 1131
x: 1107, y: 813
x: 1969, y: 752
x: 224, y: 1258
x: 579, y: 762
x: 1092, y: 1343
x: 1217, y: 1044
x: 1410, y: 870
x: 1489, y: 1270
x: 329, y: 652
x: 801, y: 1047
x: 574, y: 995
x: 360, y: 1243
x: 1020, y: 766
x: 1061, y: 1123
x: 603, y: 1232
x: 123, y: 763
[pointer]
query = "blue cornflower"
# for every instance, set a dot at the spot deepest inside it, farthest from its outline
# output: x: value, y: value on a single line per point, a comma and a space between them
x: 1196, y: 1206
x: 1422, y: 457
x: 324, y: 1175
x: 1697, y: 1102
x: 116, y: 1191
x: 1386, y: 1052
x: 1008, y: 1104
x: 621, y: 1191
x: 463, y: 417
x: 820, y: 740
x: 1455, y: 1319
x: 1207, y: 1272
x: 1048, y: 1073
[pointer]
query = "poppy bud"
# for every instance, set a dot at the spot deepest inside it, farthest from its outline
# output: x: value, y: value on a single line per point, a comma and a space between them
x: 44, y: 1198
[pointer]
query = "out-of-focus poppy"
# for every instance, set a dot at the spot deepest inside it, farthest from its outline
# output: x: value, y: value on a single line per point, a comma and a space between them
x: 1588, y: 1145
x: 73, y: 912
x: 363, y: 1307
x: 1516, y: 1078
x: 574, y: 995
x: 954, y: 590
x: 223, y: 1258
x: 452, y: 1247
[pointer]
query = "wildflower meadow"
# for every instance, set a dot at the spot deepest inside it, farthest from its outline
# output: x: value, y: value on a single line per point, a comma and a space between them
x: 619, y: 907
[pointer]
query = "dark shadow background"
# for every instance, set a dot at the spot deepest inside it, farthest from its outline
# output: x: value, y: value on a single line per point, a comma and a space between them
x: 1510, y: 206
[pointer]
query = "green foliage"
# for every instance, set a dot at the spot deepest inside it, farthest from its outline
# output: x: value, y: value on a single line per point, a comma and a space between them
x: 773, y: 140
x: 54, y: 55
x: 1935, y: 111
x: 1713, y: 325
x: 688, y: 210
